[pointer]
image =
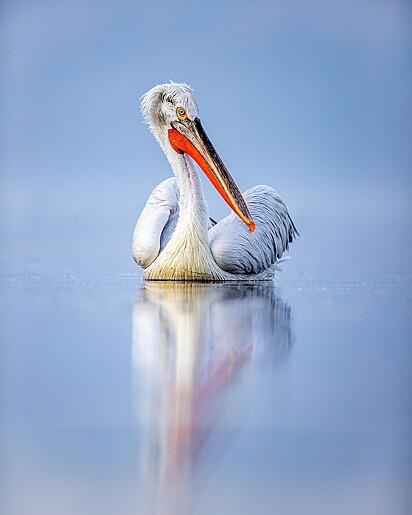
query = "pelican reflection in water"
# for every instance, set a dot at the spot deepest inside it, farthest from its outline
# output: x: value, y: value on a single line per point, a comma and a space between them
x: 193, y: 346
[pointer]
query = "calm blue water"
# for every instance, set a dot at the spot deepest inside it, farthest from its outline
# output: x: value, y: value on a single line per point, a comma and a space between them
x: 123, y: 398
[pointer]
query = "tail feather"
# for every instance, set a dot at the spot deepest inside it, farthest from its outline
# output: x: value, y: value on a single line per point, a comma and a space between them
x: 279, y: 262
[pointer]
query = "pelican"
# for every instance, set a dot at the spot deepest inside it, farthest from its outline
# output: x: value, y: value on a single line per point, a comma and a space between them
x: 174, y: 238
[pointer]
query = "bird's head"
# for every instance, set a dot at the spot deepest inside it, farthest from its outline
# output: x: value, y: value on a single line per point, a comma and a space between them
x: 173, y: 117
x: 159, y: 105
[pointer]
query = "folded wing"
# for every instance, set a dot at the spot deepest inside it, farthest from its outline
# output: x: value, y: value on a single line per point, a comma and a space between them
x: 239, y: 251
x: 156, y: 222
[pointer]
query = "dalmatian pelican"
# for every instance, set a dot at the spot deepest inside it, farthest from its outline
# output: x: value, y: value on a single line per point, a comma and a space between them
x: 174, y: 238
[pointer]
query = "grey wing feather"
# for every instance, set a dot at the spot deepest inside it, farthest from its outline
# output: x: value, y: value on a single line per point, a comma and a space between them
x: 156, y: 222
x: 237, y: 250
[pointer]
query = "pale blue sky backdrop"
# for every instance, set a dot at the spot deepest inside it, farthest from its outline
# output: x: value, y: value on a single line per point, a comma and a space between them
x: 311, y: 97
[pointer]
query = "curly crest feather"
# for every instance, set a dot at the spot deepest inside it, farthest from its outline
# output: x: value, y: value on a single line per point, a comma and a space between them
x: 158, y: 105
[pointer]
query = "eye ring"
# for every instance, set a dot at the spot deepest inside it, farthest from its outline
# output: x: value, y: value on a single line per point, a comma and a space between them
x: 181, y: 113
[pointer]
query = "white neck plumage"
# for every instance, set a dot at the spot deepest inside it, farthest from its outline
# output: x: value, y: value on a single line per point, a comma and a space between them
x: 187, y: 255
x: 192, y: 203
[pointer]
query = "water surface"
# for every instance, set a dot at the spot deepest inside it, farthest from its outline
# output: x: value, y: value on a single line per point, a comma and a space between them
x: 187, y: 399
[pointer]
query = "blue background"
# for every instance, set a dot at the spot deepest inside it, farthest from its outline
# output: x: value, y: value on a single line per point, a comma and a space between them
x: 312, y: 98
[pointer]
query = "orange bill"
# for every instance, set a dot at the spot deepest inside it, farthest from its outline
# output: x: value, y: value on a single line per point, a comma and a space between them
x: 189, y: 137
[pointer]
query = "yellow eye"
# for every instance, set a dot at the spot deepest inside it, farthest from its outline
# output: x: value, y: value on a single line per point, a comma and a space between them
x: 181, y: 113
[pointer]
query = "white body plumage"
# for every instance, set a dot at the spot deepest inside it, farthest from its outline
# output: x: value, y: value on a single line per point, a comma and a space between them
x: 173, y: 238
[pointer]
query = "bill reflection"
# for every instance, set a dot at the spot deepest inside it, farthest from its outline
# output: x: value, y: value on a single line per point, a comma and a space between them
x: 194, y: 349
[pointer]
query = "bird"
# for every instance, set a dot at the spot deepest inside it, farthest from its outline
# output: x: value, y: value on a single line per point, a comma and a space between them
x: 174, y: 239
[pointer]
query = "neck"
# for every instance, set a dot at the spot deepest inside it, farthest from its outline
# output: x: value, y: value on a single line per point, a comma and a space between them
x: 193, y: 210
x: 187, y: 255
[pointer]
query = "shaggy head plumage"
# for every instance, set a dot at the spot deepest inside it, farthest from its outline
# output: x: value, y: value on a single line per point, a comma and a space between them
x: 159, y: 104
